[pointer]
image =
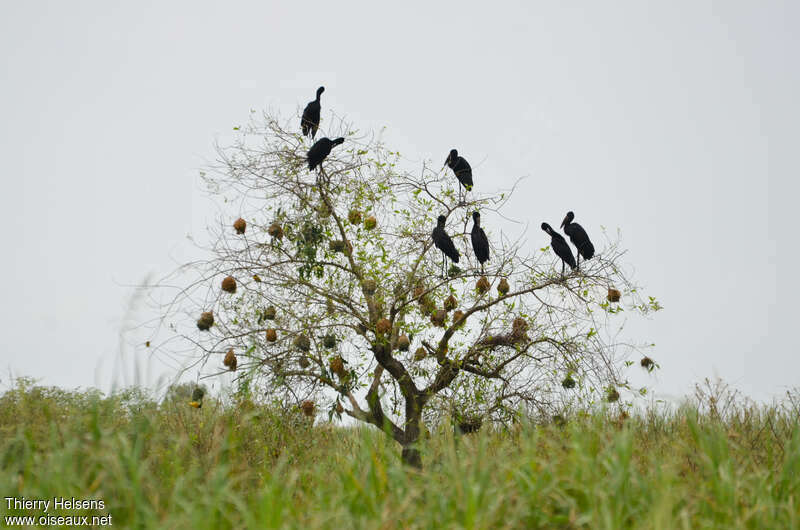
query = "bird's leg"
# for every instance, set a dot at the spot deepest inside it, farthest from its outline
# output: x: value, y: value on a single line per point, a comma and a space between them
x: 563, y: 264
x: 578, y: 260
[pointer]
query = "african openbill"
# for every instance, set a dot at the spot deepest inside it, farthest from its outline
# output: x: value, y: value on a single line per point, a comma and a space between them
x: 444, y: 243
x: 578, y: 237
x: 560, y: 247
x: 462, y: 170
x: 310, y: 120
x: 480, y: 243
x: 320, y: 150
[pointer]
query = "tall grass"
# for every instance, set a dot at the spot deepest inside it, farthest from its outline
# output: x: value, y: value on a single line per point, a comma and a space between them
x: 252, y: 466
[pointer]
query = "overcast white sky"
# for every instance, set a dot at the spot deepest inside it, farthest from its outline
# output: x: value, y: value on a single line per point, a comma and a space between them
x: 676, y: 122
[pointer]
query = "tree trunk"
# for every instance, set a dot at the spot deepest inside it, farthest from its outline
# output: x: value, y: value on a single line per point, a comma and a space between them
x: 411, y: 454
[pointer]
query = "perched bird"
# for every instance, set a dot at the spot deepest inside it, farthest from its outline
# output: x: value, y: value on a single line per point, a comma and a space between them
x: 560, y: 247
x: 444, y: 243
x: 320, y: 150
x: 578, y: 237
x: 462, y: 170
x: 197, y: 397
x: 310, y: 120
x: 480, y: 243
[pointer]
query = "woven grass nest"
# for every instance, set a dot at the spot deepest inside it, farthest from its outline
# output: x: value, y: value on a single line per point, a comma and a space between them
x: 337, y: 366
x: 275, y: 230
x: 403, y: 343
x: 383, y: 326
x: 439, y: 317
x: 337, y: 245
x: 354, y: 216
x: 198, y: 394
x: 302, y: 343
x: 613, y: 295
x: 240, y: 225
x: 482, y: 285
x: 307, y: 407
x: 419, y: 290
x: 503, y: 287
x: 519, y: 328
x: 229, y: 284
x: 469, y: 425
x: 426, y: 305
x: 205, y: 321
x: 450, y: 303
x: 370, y: 286
x: 230, y: 360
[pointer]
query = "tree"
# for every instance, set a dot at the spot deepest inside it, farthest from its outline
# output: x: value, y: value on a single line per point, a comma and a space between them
x: 335, y: 298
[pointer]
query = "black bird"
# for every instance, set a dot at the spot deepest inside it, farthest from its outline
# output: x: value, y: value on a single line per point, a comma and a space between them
x: 578, y: 237
x: 480, y: 243
x: 560, y: 247
x: 310, y: 120
x: 444, y: 243
x: 320, y: 150
x: 462, y: 170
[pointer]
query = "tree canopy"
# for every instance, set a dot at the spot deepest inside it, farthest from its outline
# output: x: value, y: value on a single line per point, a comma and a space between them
x: 326, y: 292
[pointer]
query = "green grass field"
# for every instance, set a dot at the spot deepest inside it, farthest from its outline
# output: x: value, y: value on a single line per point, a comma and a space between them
x: 245, y: 466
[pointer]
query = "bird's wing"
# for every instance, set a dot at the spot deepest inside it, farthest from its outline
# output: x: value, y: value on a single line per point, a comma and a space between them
x: 580, y: 239
x: 450, y: 248
x: 485, y: 241
x: 562, y: 250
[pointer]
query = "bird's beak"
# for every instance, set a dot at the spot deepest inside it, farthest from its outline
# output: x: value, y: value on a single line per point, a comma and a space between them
x: 563, y: 223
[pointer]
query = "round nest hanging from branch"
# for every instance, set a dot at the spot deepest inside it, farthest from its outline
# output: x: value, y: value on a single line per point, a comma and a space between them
x: 229, y: 284
x: 205, y: 321
x: 503, y: 287
x: 482, y: 285
x: 230, y: 360
x: 308, y: 408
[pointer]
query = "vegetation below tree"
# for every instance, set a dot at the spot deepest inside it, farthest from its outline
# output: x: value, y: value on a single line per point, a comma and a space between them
x: 716, y: 462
